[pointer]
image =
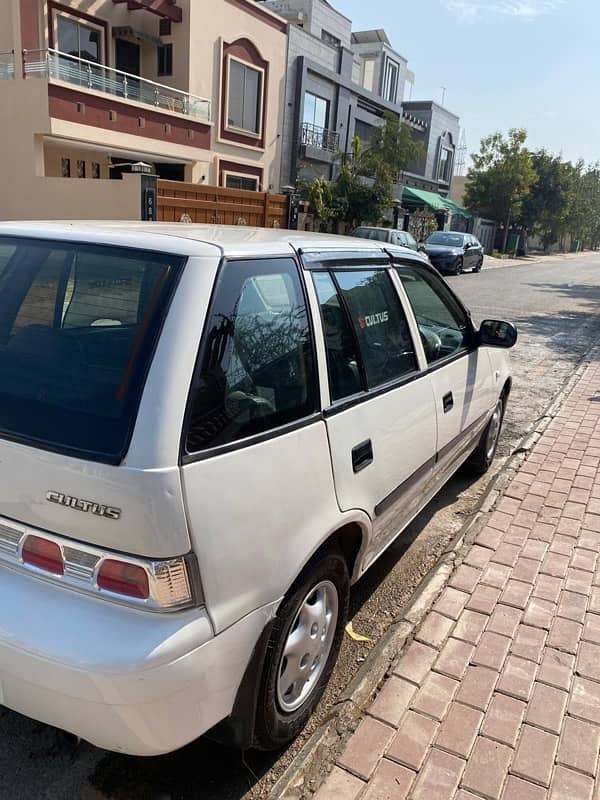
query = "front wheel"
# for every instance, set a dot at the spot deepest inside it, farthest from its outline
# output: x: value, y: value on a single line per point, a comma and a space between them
x: 479, y: 266
x: 458, y: 266
x: 302, y: 652
x: 481, y: 458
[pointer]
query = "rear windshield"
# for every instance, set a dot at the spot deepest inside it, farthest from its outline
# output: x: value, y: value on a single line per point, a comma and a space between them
x: 372, y: 233
x: 450, y: 239
x: 78, y: 325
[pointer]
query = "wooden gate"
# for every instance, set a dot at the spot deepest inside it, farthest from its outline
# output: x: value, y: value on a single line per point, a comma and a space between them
x: 191, y: 202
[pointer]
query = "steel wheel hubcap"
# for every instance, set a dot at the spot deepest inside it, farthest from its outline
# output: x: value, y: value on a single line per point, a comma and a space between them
x: 493, y: 430
x: 307, y: 646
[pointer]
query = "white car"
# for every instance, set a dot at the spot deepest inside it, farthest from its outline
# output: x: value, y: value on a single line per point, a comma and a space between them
x: 206, y: 435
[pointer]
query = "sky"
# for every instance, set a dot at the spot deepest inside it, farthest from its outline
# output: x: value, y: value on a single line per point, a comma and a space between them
x: 505, y: 63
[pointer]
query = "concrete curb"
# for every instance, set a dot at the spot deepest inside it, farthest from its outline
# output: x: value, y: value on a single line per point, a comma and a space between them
x: 312, y: 765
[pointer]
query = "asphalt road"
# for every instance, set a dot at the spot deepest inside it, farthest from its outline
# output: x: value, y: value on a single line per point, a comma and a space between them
x: 555, y: 305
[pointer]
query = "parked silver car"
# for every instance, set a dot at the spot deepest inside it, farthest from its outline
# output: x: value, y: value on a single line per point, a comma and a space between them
x: 402, y: 238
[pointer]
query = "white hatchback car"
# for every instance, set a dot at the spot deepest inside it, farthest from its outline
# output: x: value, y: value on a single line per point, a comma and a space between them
x: 206, y: 435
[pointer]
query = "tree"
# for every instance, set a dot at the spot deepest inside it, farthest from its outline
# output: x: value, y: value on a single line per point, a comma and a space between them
x: 362, y: 191
x: 545, y: 208
x: 500, y: 178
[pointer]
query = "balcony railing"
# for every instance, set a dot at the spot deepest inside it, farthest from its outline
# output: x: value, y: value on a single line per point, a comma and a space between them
x: 58, y: 66
x: 323, y: 139
x: 7, y: 66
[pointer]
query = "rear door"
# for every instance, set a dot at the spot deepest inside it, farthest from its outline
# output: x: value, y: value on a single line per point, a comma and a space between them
x: 461, y: 374
x: 380, y: 416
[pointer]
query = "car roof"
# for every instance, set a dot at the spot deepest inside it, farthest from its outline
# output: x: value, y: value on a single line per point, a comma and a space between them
x: 189, y: 239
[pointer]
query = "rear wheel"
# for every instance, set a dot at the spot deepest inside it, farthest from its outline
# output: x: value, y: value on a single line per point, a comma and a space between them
x: 479, y: 265
x: 303, y: 649
x: 481, y: 458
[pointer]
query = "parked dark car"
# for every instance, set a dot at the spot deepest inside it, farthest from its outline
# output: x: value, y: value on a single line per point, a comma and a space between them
x: 452, y: 253
x: 403, y: 238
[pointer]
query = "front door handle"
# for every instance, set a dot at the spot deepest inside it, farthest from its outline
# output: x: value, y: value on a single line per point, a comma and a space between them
x: 448, y: 402
x: 362, y: 455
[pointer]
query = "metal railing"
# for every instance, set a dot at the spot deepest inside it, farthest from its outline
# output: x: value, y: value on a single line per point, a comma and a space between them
x: 57, y: 66
x: 315, y: 136
x: 7, y: 66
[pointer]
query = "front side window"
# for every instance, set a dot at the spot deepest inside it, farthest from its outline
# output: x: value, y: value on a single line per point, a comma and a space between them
x: 78, y: 325
x: 380, y: 326
x: 244, y: 100
x: 77, y: 39
x: 443, y: 324
x: 257, y: 370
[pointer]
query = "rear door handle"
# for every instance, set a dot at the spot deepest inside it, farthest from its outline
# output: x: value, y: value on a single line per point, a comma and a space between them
x: 362, y: 455
x: 448, y: 402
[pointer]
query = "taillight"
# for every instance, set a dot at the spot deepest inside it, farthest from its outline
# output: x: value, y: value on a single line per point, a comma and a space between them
x: 43, y: 554
x: 168, y: 584
x: 119, y: 577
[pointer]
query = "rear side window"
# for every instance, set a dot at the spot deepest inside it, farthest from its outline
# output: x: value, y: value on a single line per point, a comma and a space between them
x: 78, y: 325
x: 256, y: 364
x: 340, y: 341
x: 379, y: 323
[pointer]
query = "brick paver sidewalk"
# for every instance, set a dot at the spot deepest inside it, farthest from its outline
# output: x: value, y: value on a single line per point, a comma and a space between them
x: 498, y: 695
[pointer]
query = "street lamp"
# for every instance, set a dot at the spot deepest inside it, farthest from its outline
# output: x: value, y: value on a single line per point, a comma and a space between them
x: 293, y: 206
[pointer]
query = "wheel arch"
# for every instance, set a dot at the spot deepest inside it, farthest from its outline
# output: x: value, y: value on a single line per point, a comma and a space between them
x: 350, y: 537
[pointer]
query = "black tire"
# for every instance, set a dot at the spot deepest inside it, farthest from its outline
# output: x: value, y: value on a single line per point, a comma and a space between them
x: 275, y: 726
x: 458, y: 266
x: 479, y: 266
x: 481, y: 459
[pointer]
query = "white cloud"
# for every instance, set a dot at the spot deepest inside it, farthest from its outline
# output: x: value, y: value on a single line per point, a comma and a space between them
x: 470, y: 10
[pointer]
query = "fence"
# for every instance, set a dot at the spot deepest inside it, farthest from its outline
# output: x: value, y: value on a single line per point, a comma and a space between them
x: 190, y: 202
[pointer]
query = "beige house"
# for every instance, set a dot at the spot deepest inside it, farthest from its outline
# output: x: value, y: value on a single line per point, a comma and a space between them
x: 92, y: 91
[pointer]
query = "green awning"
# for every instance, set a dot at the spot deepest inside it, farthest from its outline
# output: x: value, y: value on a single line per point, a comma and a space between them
x: 437, y: 203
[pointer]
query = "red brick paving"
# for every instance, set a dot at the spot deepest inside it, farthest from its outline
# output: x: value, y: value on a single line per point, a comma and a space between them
x: 498, y: 696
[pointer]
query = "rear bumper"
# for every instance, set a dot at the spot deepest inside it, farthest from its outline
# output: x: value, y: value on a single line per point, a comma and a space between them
x: 131, y: 681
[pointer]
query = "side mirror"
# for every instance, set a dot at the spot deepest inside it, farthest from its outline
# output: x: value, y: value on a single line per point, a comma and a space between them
x: 421, y: 247
x: 496, y: 333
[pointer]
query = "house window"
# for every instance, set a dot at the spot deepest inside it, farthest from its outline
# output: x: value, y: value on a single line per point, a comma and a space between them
x: 247, y: 182
x: 245, y: 97
x: 165, y: 59
x: 95, y: 169
x: 316, y: 111
x: 364, y: 131
x: 330, y: 39
x: 80, y: 169
x: 390, y: 82
x: 78, y: 39
x: 368, y: 73
x: 445, y: 165
x: 65, y: 167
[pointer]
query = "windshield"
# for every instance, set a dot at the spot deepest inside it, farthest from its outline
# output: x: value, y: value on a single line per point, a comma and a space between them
x: 78, y: 324
x: 449, y: 239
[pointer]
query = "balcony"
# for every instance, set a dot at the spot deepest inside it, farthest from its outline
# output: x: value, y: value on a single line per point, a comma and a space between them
x: 56, y: 66
x: 7, y: 66
x: 319, y: 138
